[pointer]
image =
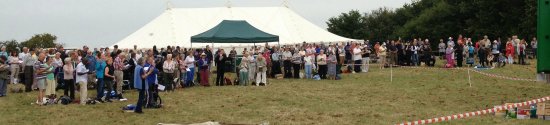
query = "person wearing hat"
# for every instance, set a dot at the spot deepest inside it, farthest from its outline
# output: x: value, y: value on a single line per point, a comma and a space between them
x: 451, y: 43
x: 203, y: 67
x: 449, y: 56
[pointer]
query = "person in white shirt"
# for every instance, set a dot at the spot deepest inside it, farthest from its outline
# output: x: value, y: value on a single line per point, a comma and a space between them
x: 243, y: 72
x: 190, y: 61
x: 82, y: 79
x: 357, y: 58
x: 287, y: 56
x: 308, y: 65
x: 28, y: 68
x: 13, y: 60
x: 168, y: 68
x: 322, y: 64
x: 414, y: 48
x: 381, y: 52
x: 365, y: 57
x: 534, y: 46
x: 441, y: 47
x: 251, y: 67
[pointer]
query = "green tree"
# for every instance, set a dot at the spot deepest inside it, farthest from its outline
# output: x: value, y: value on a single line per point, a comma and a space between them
x: 11, y: 45
x: 45, y: 40
x: 350, y: 25
x: 380, y: 24
x: 437, y: 19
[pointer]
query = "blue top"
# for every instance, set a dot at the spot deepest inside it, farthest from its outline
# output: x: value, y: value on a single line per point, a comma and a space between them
x: 153, y: 76
x: 317, y: 50
x: 91, y: 64
x: 203, y: 63
x: 138, y: 71
x: 471, y: 49
x: 4, y: 54
x: 100, y: 69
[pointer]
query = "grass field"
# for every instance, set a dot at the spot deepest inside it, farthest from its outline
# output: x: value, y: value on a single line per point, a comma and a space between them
x: 364, y: 98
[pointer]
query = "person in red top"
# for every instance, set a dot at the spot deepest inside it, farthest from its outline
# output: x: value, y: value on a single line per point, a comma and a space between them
x: 460, y: 40
x: 510, y: 52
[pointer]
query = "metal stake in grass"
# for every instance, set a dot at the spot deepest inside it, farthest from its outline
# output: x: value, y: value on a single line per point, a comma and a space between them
x: 469, y: 77
x: 391, y: 73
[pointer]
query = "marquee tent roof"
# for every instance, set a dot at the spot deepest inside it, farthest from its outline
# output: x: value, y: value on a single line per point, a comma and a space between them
x: 234, y: 31
x: 175, y: 26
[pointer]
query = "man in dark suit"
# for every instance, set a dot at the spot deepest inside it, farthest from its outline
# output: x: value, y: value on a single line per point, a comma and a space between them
x: 132, y: 62
x: 220, y: 67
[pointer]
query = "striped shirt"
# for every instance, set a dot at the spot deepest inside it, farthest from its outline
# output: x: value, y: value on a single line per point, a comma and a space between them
x: 40, y: 66
x: 118, y: 64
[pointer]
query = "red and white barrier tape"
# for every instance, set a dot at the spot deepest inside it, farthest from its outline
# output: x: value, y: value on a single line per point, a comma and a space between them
x: 504, y: 77
x: 417, y: 67
x: 476, y: 113
x: 477, y: 71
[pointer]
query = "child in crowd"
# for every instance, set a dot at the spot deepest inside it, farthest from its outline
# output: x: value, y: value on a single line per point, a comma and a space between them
x: 490, y: 58
x: 501, y: 60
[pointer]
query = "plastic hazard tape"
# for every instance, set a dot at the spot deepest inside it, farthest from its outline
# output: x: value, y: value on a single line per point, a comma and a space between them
x: 371, y: 64
x: 475, y: 113
x: 504, y: 77
x: 477, y: 71
x: 416, y: 67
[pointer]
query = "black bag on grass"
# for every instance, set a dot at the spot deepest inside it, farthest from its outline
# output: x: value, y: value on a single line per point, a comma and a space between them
x: 156, y: 101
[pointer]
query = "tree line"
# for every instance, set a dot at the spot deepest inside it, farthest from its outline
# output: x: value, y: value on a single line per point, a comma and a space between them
x: 44, y: 40
x: 439, y: 19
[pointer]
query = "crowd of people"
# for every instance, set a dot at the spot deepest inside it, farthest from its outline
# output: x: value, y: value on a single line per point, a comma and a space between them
x: 111, y: 72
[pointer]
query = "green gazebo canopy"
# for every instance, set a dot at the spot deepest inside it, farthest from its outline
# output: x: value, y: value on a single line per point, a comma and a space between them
x: 234, y: 31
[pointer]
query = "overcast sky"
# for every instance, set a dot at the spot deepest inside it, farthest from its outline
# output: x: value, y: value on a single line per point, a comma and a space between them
x: 104, y: 22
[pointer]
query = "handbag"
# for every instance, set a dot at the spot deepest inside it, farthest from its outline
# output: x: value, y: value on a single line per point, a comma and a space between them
x: 470, y: 60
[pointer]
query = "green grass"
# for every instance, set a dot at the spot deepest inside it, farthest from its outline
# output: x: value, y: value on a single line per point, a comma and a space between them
x: 364, y: 98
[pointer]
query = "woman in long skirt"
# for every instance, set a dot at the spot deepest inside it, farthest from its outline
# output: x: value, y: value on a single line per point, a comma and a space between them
x: 331, y: 60
x: 449, y: 57
x: 203, y: 63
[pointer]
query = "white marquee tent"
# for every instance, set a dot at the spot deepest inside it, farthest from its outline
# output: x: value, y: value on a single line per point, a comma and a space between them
x: 175, y: 26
